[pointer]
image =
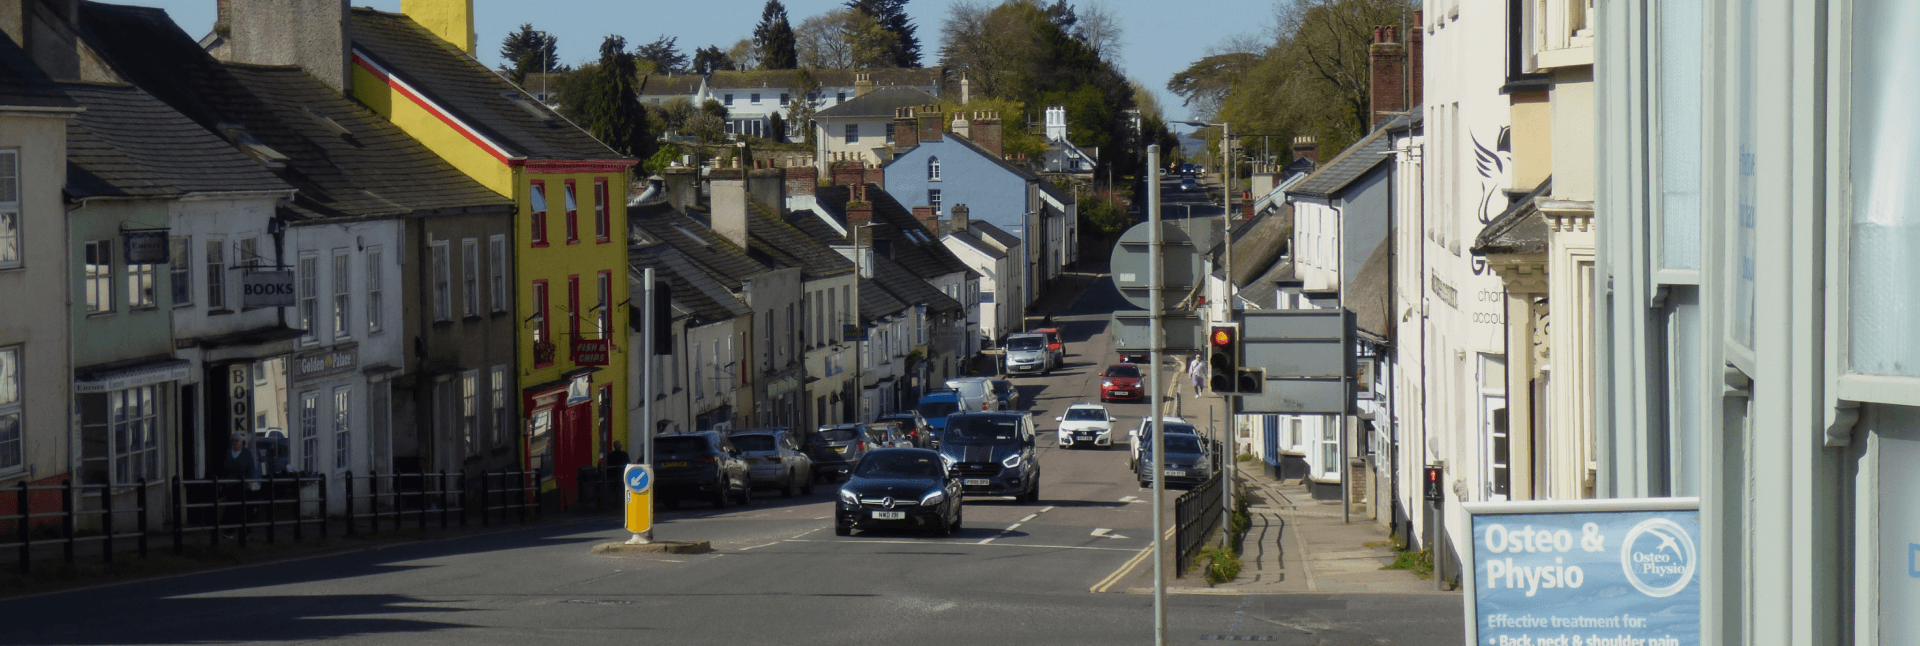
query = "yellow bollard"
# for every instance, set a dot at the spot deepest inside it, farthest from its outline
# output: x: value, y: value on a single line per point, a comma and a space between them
x: 639, y: 481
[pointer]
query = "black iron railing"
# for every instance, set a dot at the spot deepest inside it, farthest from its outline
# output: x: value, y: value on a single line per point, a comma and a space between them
x: 1195, y: 514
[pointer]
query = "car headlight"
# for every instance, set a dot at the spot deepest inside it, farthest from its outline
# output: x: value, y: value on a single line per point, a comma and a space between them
x: 934, y: 497
x: 1012, y: 461
x: 848, y: 498
x: 1106, y: 382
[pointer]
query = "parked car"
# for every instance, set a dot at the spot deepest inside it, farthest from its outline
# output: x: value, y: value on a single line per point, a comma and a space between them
x: 1085, y: 424
x: 1009, y: 398
x: 936, y: 406
x: 1142, y: 434
x: 916, y: 426
x: 775, y: 460
x: 900, y: 488
x: 1189, y: 461
x: 1028, y: 353
x: 888, y: 435
x: 836, y: 448
x: 993, y: 454
x: 976, y: 393
x: 701, y: 464
x: 1135, y: 357
x: 1055, y: 346
x: 1121, y: 381
x: 1186, y: 183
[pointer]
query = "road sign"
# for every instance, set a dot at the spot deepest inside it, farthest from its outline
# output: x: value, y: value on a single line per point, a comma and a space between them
x: 1308, y: 358
x: 1132, y: 331
x: 1179, y: 265
x: 639, y: 481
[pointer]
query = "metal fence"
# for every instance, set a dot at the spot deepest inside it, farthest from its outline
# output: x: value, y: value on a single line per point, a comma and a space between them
x: 233, y: 509
x: 396, y: 498
x: 71, y: 516
x: 1195, y: 514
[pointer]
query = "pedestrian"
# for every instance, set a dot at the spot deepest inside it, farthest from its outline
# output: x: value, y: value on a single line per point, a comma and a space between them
x: 239, y: 466
x: 618, y: 456
x: 1198, y: 371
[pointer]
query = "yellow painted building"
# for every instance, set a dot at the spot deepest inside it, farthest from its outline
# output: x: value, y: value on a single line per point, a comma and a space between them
x: 569, y: 248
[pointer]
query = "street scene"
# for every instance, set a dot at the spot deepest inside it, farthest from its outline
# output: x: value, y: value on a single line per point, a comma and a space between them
x: 1409, y: 322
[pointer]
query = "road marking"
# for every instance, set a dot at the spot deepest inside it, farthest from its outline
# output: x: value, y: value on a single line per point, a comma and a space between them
x: 743, y: 549
x: 1029, y: 517
x: 1129, y: 499
x: 810, y: 531
x: 1003, y: 534
x: 1106, y: 584
x: 939, y: 542
x: 1103, y: 532
x: 1046, y: 509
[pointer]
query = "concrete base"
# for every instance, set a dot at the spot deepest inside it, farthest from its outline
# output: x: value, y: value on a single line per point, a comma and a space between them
x: 656, y: 547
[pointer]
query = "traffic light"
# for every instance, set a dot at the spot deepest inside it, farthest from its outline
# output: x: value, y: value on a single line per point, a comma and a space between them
x: 1223, y: 358
x: 1434, y: 493
x: 1253, y: 381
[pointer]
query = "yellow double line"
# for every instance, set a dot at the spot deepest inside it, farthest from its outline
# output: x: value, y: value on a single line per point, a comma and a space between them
x: 1112, y: 579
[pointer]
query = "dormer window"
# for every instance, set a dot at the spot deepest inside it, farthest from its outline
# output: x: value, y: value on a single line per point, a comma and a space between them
x: 933, y: 169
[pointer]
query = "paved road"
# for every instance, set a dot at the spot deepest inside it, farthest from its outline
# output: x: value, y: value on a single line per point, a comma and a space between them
x: 1015, y: 574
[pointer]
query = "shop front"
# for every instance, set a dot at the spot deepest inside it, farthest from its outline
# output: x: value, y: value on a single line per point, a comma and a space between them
x: 562, y: 434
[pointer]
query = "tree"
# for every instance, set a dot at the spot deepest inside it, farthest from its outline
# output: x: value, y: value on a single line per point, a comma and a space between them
x: 745, y: 56
x: 664, y: 55
x: 714, y: 107
x: 1314, y: 78
x: 610, y: 106
x: 774, y: 38
x: 1100, y: 29
x: 706, y: 126
x: 904, y: 51
x: 821, y: 41
x: 710, y: 59
x: 528, y: 50
x: 1205, y: 83
x: 776, y: 128
x: 869, y: 43
x: 801, y: 110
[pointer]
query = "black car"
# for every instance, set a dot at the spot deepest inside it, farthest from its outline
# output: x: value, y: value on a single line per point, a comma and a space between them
x: 835, y: 449
x: 992, y: 454
x: 899, y: 489
x: 700, y: 465
x: 1009, y: 397
x: 916, y: 427
x: 1188, y: 461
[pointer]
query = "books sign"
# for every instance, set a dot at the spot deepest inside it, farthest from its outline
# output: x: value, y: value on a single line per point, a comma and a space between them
x: 267, y: 289
x: 591, y: 352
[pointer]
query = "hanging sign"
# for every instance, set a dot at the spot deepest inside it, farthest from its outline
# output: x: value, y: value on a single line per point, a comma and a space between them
x: 148, y: 247
x: 267, y: 289
x: 591, y: 352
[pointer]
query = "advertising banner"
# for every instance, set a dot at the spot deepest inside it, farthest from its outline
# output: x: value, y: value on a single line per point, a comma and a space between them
x: 1621, y: 572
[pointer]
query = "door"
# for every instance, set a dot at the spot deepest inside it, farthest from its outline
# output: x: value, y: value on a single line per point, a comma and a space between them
x: 573, y: 448
x: 1499, y: 473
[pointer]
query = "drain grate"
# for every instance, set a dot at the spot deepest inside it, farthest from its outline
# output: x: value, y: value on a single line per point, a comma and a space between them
x: 1236, y: 638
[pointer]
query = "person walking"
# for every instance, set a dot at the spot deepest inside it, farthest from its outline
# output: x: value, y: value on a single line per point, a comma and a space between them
x: 1198, y: 371
x: 239, y: 466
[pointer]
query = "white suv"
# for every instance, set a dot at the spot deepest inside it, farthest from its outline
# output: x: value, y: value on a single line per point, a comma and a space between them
x: 1136, y: 437
x: 1085, y: 425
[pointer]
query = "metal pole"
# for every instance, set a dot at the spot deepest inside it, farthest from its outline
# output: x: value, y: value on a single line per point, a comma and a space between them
x: 1154, y: 343
x: 646, y: 385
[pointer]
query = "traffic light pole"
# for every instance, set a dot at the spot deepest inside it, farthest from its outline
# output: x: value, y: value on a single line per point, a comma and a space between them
x: 1155, y: 282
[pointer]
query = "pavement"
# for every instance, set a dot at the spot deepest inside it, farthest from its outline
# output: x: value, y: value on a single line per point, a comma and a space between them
x: 1297, y: 544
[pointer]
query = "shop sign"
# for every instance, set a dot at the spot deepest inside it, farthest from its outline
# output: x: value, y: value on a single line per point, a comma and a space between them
x: 1585, y: 573
x: 1363, y: 378
x: 326, y: 363
x: 146, y: 247
x: 591, y: 352
x: 240, y: 397
x: 267, y: 289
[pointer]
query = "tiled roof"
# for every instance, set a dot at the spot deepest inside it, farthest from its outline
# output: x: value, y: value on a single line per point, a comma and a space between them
x: 974, y: 242
x: 345, y: 159
x: 661, y: 85
x: 915, y: 247
x: 1353, y: 162
x: 23, y: 84
x: 911, y: 289
x: 1059, y: 194
x: 988, y: 230
x: 784, y: 79
x: 875, y: 302
x: 778, y: 239
x: 129, y: 144
x: 879, y: 103
x: 469, y: 91
x: 692, y: 287
x: 709, y: 251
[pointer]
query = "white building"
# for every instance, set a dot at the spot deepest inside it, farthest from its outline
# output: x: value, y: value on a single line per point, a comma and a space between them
x: 995, y: 256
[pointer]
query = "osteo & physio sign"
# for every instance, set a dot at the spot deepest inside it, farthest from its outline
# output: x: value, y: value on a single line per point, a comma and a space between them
x: 1622, y: 572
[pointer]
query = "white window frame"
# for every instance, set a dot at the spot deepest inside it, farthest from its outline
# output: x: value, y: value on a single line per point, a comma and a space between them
x: 470, y: 409
x: 469, y: 277
x: 180, y: 270
x: 11, y: 256
x: 13, y: 443
x: 342, y: 428
x: 933, y: 169
x: 933, y: 200
x: 376, y: 297
x: 308, y: 275
x: 603, y: 281
x: 442, y: 281
x: 309, y: 416
x: 497, y: 434
x: 852, y: 133
x: 216, y: 262
x: 342, y: 302
x: 134, y: 418
x: 96, y: 267
x: 497, y: 270
x: 143, y: 284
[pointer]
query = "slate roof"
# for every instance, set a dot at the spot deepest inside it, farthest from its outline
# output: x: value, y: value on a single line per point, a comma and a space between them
x: 780, y: 242
x: 809, y: 222
x: 784, y: 79
x: 911, y: 289
x: 129, y: 144
x: 974, y: 242
x: 990, y: 231
x: 1022, y: 171
x: 468, y: 90
x: 922, y: 254
x: 879, y: 103
x: 876, y: 303
x: 1260, y: 291
x: 1353, y: 162
x: 345, y: 159
x: 1518, y: 230
x: 23, y: 84
x: 692, y: 286
x: 1060, y: 195
x: 706, y: 250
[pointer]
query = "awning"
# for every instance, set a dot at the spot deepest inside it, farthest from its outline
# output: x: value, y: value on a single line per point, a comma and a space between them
x: 143, y: 374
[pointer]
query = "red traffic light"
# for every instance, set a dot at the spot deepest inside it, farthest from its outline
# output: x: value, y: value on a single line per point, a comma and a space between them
x: 1222, y: 336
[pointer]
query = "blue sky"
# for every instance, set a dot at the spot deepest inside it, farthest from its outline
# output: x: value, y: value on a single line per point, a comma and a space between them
x: 1158, y: 39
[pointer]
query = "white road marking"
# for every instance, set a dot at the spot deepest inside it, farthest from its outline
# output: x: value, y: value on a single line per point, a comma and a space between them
x: 743, y: 549
x: 1101, y: 531
x: 1003, y: 533
x: 1129, y: 499
x: 1029, y: 517
x: 1046, y: 509
x: 810, y: 531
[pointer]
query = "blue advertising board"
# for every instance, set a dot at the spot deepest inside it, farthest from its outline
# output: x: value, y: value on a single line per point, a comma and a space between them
x: 1584, y: 573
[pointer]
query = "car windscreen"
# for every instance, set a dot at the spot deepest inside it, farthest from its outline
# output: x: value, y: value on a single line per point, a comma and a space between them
x: 969, y: 388
x: 836, y: 435
x: 1124, y: 371
x: 983, y: 430
x: 1027, y: 343
x: 1180, y: 444
x: 1085, y: 415
x: 882, y: 432
x: 902, y: 464
x: 938, y: 410
x: 1002, y: 386
x: 680, y: 444
x: 753, y: 442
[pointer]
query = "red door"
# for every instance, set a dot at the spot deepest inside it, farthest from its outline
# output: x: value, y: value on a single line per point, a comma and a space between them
x: 573, y: 449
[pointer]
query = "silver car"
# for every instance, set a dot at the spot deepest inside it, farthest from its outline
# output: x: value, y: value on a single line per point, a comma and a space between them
x: 774, y: 460
x: 1027, y: 354
x: 976, y: 394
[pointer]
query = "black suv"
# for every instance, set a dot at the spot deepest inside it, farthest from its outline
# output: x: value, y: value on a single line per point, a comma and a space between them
x: 992, y: 454
x: 701, y: 464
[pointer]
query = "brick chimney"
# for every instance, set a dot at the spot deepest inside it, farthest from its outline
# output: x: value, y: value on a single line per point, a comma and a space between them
x: 801, y: 180
x: 927, y: 218
x: 906, y: 132
x: 1387, y: 90
x: 312, y: 34
x: 847, y: 171
x: 875, y: 175
x: 1415, y: 63
x: 451, y: 20
x: 859, y: 210
x: 729, y: 214
x: 986, y: 131
x: 862, y: 84
x: 768, y: 187
x: 1306, y: 147
x: 932, y: 122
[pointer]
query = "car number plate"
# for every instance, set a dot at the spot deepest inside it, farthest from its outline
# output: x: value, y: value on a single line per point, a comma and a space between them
x: 839, y: 449
x: 889, y: 515
x: 676, y: 463
x: 1123, y: 393
x: 975, y: 482
x: 1176, y: 474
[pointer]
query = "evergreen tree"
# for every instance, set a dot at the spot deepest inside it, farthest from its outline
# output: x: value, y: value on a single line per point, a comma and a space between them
x: 710, y: 59
x: 610, y: 108
x: 774, y: 38
x: 528, y: 50
x: 892, y: 16
x: 664, y: 54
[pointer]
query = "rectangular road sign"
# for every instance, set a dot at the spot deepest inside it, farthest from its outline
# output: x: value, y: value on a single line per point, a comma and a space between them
x: 1308, y: 356
x: 1183, y: 331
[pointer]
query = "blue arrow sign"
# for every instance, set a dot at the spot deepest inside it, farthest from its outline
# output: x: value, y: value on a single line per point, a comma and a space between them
x: 638, y: 478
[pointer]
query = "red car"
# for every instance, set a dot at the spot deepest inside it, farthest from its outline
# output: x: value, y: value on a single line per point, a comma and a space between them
x: 1121, y: 381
